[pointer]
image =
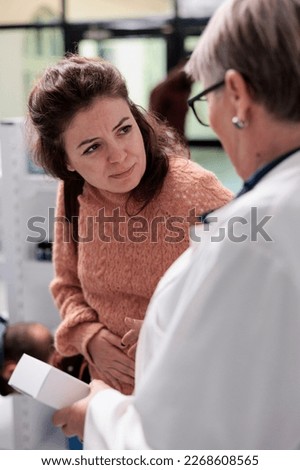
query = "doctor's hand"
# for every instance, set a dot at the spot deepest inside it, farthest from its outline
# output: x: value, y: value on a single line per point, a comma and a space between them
x: 71, y: 419
x: 110, y: 359
x: 132, y: 335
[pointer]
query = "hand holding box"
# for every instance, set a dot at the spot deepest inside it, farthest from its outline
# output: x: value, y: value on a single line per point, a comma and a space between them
x: 47, y: 384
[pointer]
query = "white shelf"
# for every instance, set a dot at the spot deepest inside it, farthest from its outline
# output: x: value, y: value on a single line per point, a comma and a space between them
x: 34, y: 184
x: 26, y: 198
x: 39, y: 272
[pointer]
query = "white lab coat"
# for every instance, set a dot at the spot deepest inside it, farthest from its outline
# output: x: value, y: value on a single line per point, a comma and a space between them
x: 218, y: 362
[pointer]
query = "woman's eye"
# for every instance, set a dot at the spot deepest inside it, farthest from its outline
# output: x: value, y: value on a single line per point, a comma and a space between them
x: 125, y: 129
x: 91, y: 149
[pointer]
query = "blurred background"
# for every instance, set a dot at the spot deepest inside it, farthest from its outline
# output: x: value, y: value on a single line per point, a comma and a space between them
x: 144, y: 39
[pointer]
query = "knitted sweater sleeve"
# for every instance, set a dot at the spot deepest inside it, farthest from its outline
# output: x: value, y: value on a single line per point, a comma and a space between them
x: 214, y: 194
x: 197, y: 190
x: 79, y: 321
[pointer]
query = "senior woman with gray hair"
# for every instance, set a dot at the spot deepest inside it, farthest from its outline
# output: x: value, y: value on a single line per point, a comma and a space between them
x: 219, y: 353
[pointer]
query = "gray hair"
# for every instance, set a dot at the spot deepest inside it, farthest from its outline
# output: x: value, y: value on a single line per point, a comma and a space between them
x: 261, y: 40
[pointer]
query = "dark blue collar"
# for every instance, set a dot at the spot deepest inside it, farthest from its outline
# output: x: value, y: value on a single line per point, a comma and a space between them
x: 259, y: 174
x: 255, y: 178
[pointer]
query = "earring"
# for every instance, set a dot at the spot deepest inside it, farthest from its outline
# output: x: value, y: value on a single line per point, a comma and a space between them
x: 238, y: 123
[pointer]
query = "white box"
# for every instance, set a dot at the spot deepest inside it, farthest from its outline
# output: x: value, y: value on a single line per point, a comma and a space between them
x: 47, y: 384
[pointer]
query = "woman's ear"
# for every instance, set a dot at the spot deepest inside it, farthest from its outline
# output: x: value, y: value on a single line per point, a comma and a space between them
x: 238, y: 93
x: 69, y: 167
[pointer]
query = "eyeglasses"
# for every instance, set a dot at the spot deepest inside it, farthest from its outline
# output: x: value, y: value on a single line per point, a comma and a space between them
x: 199, y: 103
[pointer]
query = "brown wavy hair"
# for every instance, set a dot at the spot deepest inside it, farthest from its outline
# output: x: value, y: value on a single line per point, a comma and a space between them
x: 71, y: 86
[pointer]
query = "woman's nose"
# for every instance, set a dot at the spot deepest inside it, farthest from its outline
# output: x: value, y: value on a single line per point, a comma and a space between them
x: 116, y: 153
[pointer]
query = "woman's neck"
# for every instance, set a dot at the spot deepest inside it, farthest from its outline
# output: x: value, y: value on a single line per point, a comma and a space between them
x: 269, y: 140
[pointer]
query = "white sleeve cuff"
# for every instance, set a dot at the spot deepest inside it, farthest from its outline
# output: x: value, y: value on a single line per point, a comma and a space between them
x: 112, y: 422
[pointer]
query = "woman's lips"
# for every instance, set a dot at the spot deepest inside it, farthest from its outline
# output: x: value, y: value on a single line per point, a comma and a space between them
x: 123, y: 174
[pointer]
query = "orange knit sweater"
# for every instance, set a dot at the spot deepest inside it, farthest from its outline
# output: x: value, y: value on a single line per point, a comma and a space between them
x: 114, y: 270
